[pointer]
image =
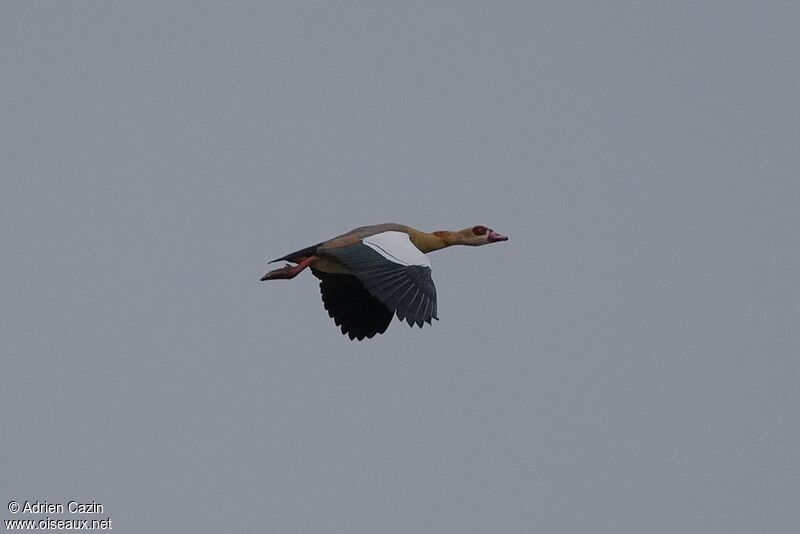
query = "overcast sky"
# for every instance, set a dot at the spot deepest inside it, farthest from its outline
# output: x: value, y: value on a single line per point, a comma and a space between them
x: 627, y: 362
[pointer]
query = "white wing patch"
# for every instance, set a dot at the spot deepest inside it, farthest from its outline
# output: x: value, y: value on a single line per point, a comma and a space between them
x: 397, y: 248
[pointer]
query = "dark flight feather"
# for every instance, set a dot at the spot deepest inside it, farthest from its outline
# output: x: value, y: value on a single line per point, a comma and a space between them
x: 352, y: 307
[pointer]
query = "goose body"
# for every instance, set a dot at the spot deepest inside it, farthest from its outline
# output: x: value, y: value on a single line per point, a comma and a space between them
x: 371, y: 273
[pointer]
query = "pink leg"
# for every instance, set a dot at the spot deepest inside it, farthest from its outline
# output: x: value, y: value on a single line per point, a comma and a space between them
x: 288, y: 272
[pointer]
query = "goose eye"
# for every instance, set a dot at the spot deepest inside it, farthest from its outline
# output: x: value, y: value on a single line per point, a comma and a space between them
x: 479, y: 230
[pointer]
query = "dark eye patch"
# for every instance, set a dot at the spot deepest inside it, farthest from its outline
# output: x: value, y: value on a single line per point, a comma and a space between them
x: 479, y: 230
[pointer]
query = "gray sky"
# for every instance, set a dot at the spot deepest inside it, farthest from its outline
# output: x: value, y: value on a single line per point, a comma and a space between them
x: 627, y: 362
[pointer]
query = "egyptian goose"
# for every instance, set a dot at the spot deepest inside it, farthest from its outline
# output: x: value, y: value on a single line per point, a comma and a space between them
x: 370, y: 273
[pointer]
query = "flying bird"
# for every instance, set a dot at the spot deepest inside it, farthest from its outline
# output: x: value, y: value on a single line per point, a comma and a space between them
x: 374, y: 272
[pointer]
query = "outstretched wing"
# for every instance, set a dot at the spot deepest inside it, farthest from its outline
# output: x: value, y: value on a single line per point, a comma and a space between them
x: 395, y: 272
